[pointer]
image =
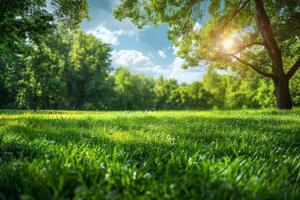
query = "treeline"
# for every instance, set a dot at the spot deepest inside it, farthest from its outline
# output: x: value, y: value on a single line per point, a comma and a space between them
x: 215, y: 90
x: 72, y: 70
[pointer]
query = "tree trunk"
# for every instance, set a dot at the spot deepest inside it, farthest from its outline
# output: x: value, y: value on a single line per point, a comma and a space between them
x: 281, y: 80
x: 282, y: 94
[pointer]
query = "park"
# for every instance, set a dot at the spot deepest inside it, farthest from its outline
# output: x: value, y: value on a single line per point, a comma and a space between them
x: 149, y: 99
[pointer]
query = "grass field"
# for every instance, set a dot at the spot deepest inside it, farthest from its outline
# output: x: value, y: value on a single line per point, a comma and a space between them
x: 150, y: 155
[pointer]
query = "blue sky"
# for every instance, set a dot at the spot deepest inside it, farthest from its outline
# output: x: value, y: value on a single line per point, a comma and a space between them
x: 146, y: 51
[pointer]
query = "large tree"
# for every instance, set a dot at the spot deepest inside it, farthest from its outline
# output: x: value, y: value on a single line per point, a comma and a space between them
x: 87, y: 71
x: 262, y: 35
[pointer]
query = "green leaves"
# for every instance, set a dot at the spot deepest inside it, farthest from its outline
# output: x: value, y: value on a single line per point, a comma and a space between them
x: 70, y: 12
x: 31, y: 20
x: 235, y: 20
x: 214, y: 6
x: 63, y: 70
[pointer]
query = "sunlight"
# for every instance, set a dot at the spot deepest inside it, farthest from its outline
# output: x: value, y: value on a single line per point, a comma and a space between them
x: 228, y: 43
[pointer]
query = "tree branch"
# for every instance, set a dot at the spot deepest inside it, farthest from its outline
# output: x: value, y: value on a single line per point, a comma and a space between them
x: 265, y: 28
x: 266, y: 74
x: 239, y: 50
x: 293, y: 70
x: 236, y: 11
x: 247, y: 46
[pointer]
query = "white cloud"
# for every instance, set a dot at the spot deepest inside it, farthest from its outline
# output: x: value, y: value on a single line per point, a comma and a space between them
x: 175, y: 71
x: 137, y: 62
x: 127, y: 28
x: 106, y: 35
x: 161, y: 54
x: 112, y: 37
x: 125, y: 25
x: 129, y: 58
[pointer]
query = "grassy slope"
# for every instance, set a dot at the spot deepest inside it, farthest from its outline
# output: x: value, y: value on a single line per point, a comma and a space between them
x: 145, y: 155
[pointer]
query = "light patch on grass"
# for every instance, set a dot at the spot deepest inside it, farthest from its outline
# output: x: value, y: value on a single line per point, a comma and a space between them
x: 120, y: 136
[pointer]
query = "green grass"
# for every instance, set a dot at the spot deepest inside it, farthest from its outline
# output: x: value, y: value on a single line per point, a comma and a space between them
x: 150, y: 155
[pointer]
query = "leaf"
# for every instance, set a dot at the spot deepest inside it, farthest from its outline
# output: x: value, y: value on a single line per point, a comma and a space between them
x: 214, y: 6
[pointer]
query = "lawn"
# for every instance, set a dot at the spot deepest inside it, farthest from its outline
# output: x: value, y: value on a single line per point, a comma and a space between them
x: 150, y: 155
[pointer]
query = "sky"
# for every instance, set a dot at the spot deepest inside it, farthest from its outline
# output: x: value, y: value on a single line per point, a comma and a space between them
x: 146, y: 51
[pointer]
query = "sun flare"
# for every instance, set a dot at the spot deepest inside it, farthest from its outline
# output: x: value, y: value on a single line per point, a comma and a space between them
x: 228, y: 43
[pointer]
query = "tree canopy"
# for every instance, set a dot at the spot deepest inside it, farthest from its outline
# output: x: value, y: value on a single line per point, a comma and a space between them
x: 29, y: 20
x: 254, y: 34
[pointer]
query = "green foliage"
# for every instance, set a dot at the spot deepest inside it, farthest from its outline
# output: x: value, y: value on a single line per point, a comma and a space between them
x: 263, y: 35
x: 264, y: 94
x: 65, y: 70
x: 216, y: 84
x: 150, y: 155
x: 40, y: 83
x: 295, y: 85
x: 87, y: 70
x: 166, y: 92
x: 28, y: 20
x: 170, y: 95
x: 226, y: 18
x: 133, y: 91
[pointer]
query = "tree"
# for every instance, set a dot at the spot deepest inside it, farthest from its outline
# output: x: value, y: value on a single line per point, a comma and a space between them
x: 194, y: 96
x: 22, y: 21
x: 86, y: 72
x: 216, y: 85
x: 40, y: 82
x: 134, y: 92
x: 260, y: 35
x: 10, y: 74
x: 65, y: 69
x: 166, y: 95
x: 24, y: 24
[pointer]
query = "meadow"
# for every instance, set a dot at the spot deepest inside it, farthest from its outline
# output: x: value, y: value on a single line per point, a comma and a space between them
x: 243, y: 154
